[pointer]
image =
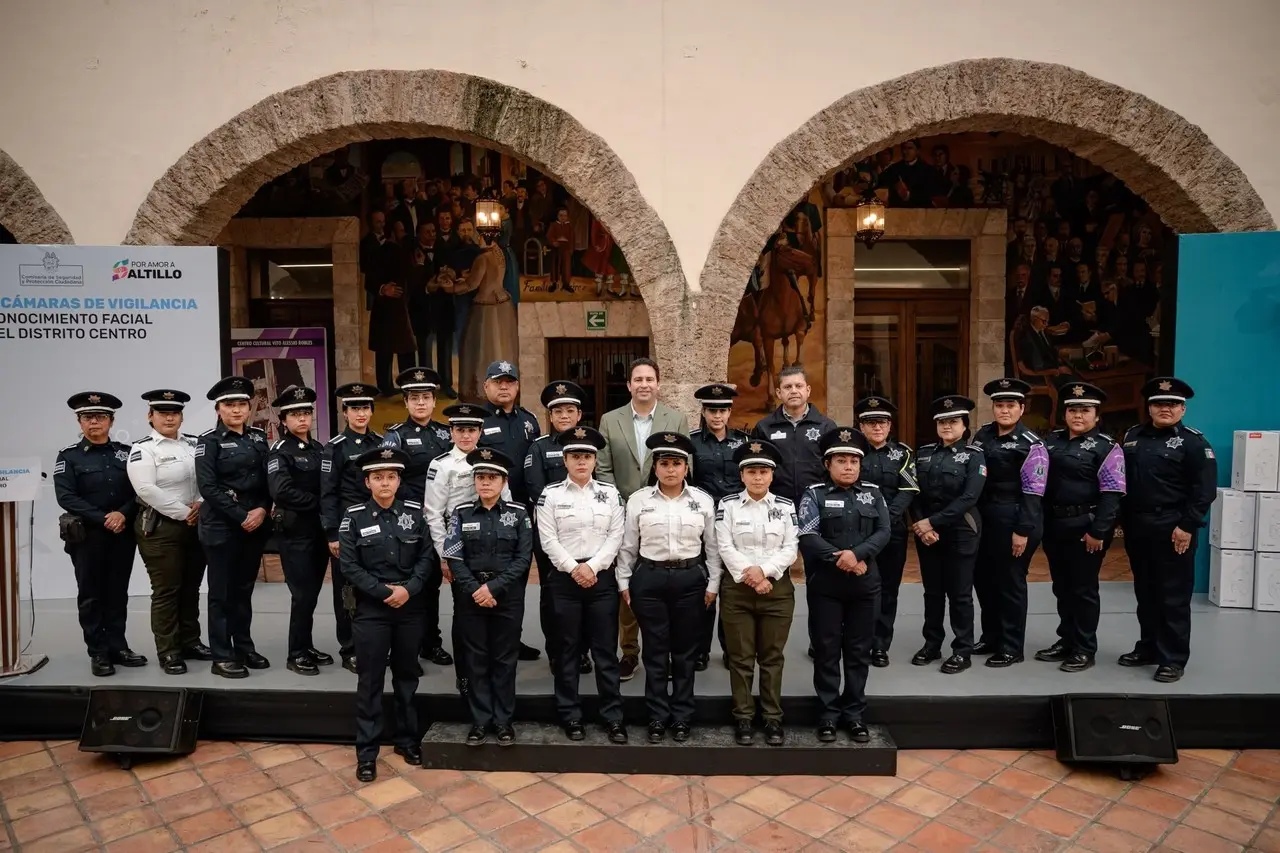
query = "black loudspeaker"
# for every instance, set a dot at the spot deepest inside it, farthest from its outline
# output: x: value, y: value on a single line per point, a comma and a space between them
x: 1132, y: 731
x: 146, y: 721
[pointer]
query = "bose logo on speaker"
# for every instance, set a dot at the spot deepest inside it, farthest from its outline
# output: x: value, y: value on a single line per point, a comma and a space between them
x: 120, y: 719
x: 1130, y: 728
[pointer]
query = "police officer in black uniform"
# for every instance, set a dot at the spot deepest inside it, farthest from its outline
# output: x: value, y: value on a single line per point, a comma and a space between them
x: 844, y: 525
x: 544, y: 466
x: 92, y: 487
x: 510, y: 428
x: 385, y: 555
x: 342, y: 484
x: 1171, y: 474
x: 891, y: 465
x: 947, y: 531
x: 293, y: 477
x: 489, y: 545
x: 714, y: 471
x: 231, y: 471
x: 795, y: 428
x: 1012, y: 521
x: 423, y: 440
x: 1081, y: 503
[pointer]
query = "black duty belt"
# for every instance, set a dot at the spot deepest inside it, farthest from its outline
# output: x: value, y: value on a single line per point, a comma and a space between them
x: 1068, y: 511
x: 484, y: 577
x: 691, y: 563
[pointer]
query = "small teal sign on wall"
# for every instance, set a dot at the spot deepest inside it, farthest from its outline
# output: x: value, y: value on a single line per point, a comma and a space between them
x: 1228, y: 342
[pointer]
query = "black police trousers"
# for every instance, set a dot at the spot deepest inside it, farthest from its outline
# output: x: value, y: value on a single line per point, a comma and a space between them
x: 103, y: 563
x: 381, y: 630
x: 304, y: 559
x: 431, y: 639
x: 889, y: 563
x: 1162, y: 582
x: 843, y: 608
x: 546, y: 571
x: 1075, y: 581
x: 233, y: 570
x: 669, y: 605
x: 712, y: 625
x: 581, y: 619
x: 946, y: 570
x: 488, y: 646
x: 341, y: 615
x: 1000, y: 579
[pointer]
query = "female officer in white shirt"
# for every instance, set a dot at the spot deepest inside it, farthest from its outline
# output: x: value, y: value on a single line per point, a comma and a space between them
x: 162, y: 469
x: 580, y: 524
x: 666, y: 580
x: 757, y: 534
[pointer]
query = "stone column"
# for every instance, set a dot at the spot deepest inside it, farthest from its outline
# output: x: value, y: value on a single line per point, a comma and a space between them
x: 840, y: 250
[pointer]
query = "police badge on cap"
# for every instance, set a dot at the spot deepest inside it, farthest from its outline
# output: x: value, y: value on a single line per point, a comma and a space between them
x: 167, y: 400
x: 562, y: 392
x: 489, y: 459
x: 502, y: 370
x: 1007, y: 388
x: 874, y: 408
x: 843, y: 440
x: 757, y: 453
x: 383, y: 458
x: 717, y: 395
x: 580, y: 439
x: 94, y: 402
x: 1167, y: 389
x: 231, y: 388
x: 295, y: 397
x: 951, y: 406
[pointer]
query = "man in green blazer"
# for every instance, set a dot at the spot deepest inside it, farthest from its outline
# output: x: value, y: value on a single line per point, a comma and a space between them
x: 625, y: 462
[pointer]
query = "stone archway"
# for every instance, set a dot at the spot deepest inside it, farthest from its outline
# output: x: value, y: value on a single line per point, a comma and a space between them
x: 1191, y: 184
x: 23, y: 208
x: 200, y: 193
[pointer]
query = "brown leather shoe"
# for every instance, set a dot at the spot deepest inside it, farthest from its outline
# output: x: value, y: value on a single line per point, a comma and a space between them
x: 627, y: 667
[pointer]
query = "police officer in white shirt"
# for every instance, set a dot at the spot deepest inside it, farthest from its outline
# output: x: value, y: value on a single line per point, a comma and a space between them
x: 449, y: 485
x: 162, y: 469
x: 758, y: 535
x: 669, y: 572
x: 580, y: 525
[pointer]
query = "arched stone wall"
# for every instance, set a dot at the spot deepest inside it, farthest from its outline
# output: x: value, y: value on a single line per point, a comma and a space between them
x: 23, y: 209
x: 1168, y: 161
x: 198, y: 195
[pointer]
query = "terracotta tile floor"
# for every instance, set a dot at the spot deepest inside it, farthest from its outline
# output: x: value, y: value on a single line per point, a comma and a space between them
x: 230, y: 797
x: 1115, y: 567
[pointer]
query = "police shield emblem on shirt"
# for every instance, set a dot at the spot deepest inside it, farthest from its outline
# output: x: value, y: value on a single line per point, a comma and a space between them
x: 962, y: 457
x: 1174, y: 443
x: 405, y: 521
x: 865, y: 498
x: 812, y: 433
x: 508, y: 519
x: 122, y: 455
x: 1088, y: 444
x: 895, y: 454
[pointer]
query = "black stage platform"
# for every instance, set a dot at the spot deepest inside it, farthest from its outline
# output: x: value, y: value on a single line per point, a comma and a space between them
x: 1230, y: 697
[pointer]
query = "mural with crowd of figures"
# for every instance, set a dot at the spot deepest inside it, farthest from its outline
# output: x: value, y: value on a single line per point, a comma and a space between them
x: 1085, y: 266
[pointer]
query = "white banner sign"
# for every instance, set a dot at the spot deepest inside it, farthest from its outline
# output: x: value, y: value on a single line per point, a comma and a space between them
x: 118, y: 319
x: 19, y: 479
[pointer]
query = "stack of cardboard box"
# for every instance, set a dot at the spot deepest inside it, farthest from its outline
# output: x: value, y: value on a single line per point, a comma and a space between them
x: 1244, y: 526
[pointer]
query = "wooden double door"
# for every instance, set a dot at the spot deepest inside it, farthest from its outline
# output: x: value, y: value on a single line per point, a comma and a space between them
x: 911, y: 347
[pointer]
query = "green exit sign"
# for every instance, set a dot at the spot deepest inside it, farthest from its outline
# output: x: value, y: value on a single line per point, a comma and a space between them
x: 597, y: 321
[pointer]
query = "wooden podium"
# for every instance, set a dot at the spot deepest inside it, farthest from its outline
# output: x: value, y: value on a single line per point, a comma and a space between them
x: 19, y: 486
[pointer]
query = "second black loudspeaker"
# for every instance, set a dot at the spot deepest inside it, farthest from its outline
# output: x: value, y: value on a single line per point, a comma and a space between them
x: 145, y: 721
x: 1114, y: 729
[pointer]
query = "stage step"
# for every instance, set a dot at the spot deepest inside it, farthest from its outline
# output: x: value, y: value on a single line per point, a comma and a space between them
x: 710, y: 750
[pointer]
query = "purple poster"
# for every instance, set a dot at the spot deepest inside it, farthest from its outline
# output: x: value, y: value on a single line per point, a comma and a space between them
x: 277, y: 358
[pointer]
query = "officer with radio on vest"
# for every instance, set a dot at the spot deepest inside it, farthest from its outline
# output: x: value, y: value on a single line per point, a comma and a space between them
x: 422, y: 439
x: 293, y: 476
x: 162, y: 469
x: 93, y: 489
x: 385, y: 554
x: 342, y: 484
x: 844, y: 525
x: 1171, y: 475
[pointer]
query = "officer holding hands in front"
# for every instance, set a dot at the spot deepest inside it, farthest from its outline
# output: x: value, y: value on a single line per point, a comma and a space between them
x: 92, y: 487
x: 423, y: 440
x: 844, y: 525
x: 293, y: 476
x: 489, y: 546
x: 231, y: 470
x: 385, y: 554
x: 342, y: 484
x: 1171, y: 475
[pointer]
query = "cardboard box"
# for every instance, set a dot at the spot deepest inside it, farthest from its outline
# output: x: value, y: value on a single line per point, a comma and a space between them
x: 1267, y: 524
x: 1231, y: 520
x: 1255, y: 461
x: 1231, y: 575
x: 1266, y: 585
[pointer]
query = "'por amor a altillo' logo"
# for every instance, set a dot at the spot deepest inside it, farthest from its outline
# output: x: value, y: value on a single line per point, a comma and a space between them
x: 144, y: 269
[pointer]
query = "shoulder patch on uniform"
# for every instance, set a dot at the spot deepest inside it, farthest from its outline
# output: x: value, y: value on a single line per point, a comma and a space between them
x: 199, y: 449
x: 144, y: 439
x: 868, y: 485
x: 207, y: 432
x: 785, y: 501
x: 1192, y: 430
x: 273, y: 466
x: 345, y: 525
x: 412, y: 504
x: 326, y: 466
x: 337, y: 439
x: 355, y: 508
x: 59, y: 466
x: 135, y: 456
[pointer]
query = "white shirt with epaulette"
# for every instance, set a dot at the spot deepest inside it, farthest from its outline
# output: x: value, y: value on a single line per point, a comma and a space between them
x: 449, y: 485
x: 163, y: 473
x: 762, y: 533
x: 581, y: 523
x: 664, y: 529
